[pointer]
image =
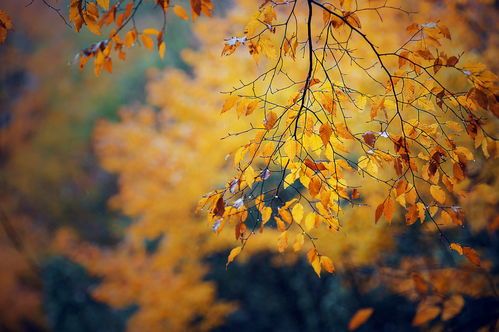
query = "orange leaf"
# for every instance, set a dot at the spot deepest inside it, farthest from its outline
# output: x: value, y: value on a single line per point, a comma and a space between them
x: 425, y: 313
x: 148, y: 42
x: 457, y: 247
x: 327, y: 264
x: 314, y: 166
x: 342, y: 131
x: 472, y: 255
x: 161, y: 50
x: 130, y: 38
x: 325, y: 132
x: 313, y: 259
x: 379, y: 212
x: 233, y: 253
x: 229, y: 103
x: 270, y: 120
x: 452, y: 307
x: 388, y: 208
x: 180, y: 12
x: 354, y: 20
x: 359, y: 318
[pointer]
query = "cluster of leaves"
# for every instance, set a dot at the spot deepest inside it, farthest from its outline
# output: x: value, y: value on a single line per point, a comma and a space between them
x: 346, y: 134
x: 86, y: 13
x: 414, y: 140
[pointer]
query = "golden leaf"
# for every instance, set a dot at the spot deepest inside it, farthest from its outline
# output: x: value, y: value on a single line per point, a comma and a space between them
x: 233, y: 253
x: 359, y: 318
x: 282, y: 241
x: 437, y: 193
x: 161, y: 50
x: 300, y: 239
x: 229, y: 103
x: 313, y: 259
x: 147, y: 40
x: 180, y: 12
x: 327, y: 264
x: 297, y: 212
x: 104, y: 4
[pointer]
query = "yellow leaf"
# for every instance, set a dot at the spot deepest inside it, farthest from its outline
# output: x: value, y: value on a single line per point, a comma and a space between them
x: 229, y: 103
x: 233, y: 253
x: 151, y: 31
x: 249, y: 176
x: 421, y: 211
x: 291, y: 148
x: 310, y: 221
x: 457, y: 247
x: 437, y: 193
x: 103, y: 3
x: 180, y: 12
x: 313, y: 259
x: 300, y: 239
x: 148, y: 42
x: 282, y: 241
x: 327, y: 264
x: 161, y: 50
x: 359, y: 318
x: 266, y: 214
x: 297, y: 213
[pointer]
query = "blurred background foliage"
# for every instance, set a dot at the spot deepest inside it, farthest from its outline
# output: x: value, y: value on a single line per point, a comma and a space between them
x: 52, y: 179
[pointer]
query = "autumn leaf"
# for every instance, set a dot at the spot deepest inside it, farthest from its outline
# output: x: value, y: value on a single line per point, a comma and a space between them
x: 161, y: 50
x: 297, y: 212
x: 270, y: 120
x: 233, y: 253
x: 457, y: 247
x: 180, y: 12
x: 298, y: 244
x: 425, y: 313
x: 313, y: 259
x: 471, y: 255
x: 130, y: 38
x: 327, y: 264
x: 467, y: 252
x: 147, y: 41
x: 369, y: 138
x: 229, y: 103
x: 103, y: 3
x: 437, y: 193
x: 452, y: 307
x: 360, y: 317
x: 282, y: 241
x: 325, y: 132
x: 379, y: 212
x: 388, y: 208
